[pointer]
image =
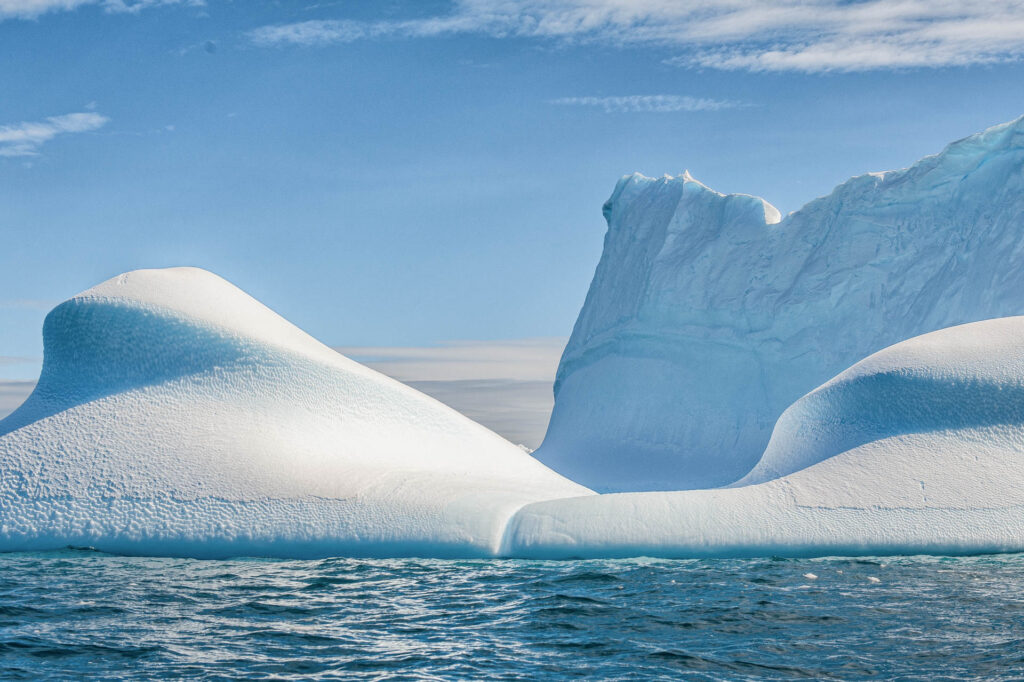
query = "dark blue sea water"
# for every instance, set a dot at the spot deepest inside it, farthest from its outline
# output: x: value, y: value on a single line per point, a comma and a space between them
x: 82, y: 614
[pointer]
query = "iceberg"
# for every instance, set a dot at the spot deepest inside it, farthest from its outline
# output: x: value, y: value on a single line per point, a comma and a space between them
x: 915, y: 450
x: 176, y: 415
x: 710, y: 314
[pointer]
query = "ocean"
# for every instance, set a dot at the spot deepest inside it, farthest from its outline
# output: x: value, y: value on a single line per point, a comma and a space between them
x: 83, y: 614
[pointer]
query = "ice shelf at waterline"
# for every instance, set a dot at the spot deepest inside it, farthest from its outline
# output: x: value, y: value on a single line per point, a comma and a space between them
x: 918, y: 449
x: 709, y: 314
x: 177, y: 416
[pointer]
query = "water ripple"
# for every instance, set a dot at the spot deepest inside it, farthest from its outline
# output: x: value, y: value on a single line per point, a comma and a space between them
x: 85, y: 615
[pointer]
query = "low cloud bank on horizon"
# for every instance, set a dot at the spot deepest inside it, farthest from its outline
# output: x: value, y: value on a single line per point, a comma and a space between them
x: 512, y: 360
x: 755, y: 35
x: 506, y: 385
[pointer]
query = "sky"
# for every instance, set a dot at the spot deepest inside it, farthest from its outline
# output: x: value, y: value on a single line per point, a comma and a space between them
x: 424, y: 180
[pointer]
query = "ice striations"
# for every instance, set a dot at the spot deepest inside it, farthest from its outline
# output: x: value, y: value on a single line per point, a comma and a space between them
x: 708, y: 315
x: 916, y: 449
x: 175, y: 415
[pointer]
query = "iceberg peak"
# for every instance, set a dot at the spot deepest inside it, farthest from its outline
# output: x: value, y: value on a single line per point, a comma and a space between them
x: 198, y: 297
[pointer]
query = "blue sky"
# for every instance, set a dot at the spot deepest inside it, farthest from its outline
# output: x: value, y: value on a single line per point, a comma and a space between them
x: 390, y: 174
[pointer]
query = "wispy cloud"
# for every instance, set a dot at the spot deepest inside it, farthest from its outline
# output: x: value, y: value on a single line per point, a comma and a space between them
x: 133, y: 6
x: 24, y: 139
x: 758, y: 35
x: 30, y: 9
x: 648, y: 103
x: 312, y: 33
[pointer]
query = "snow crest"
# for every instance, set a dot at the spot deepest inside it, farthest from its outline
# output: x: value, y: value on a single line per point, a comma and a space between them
x: 177, y: 415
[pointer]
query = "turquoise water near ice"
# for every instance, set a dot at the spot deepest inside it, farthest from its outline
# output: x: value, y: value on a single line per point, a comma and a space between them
x: 86, y: 615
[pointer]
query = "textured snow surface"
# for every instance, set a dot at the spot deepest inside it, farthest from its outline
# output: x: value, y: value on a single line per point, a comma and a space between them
x: 916, y: 449
x: 177, y: 415
x: 708, y: 316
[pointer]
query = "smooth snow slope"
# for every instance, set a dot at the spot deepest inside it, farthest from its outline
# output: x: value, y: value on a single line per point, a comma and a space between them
x: 707, y: 316
x: 177, y: 415
x: 916, y: 449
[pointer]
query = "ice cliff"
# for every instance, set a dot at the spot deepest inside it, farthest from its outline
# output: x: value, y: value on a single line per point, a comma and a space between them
x: 177, y: 415
x: 708, y: 314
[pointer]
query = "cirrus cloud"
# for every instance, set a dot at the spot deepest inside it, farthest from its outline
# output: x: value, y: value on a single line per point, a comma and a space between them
x: 648, y: 103
x: 756, y: 35
x: 30, y: 9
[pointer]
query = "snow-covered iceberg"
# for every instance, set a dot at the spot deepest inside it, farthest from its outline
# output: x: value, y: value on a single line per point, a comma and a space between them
x: 175, y: 415
x: 916, y: 449
x: 708, y: 315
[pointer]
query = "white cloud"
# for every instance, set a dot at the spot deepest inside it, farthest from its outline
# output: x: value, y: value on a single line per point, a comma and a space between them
x: 24, y: 139
x: 311, y: 33
x: 133, y: 6
x: 647, y: 103
x: 759, y: 35
x: 30, y: 9
x: 33, y: 8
